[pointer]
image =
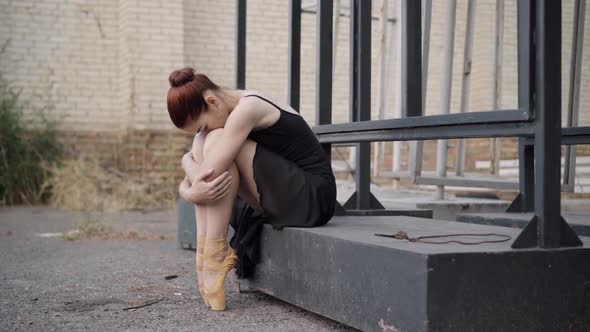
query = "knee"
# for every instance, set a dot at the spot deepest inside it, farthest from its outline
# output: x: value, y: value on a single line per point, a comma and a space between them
x: 210, y: 139
x: 197, y: 147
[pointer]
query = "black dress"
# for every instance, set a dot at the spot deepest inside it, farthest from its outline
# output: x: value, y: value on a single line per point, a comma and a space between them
x: 295, y: 181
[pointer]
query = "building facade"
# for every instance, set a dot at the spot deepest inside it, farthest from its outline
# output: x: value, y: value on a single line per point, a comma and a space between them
x: 101, y: 67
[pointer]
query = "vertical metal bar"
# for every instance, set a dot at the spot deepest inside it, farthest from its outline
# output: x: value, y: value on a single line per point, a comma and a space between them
x: 411, y: 62
x: 353, y: 49
x: 526, y: 56
x: 569, y: 170
x: 353, y: 70
x: 548, y: 122
x: 324, y: 62
x: 240, y: 82
x: 363, y: 172
x: 526, y: 79
x: 364, y: 58
x: 335, y: 29
x: 497, y: 100
x: 528, y: 181
x: 411, y: 58
x: 383, y: 79
x: 465, y: 85
x: 364, y: 100
x: 294, y: 80
x: 426, y: 50
x: 445, y: 95
x: 416, y: 148
x: 398, y: 87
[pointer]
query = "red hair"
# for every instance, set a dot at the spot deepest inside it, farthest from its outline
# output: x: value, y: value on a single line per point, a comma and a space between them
x: 185, y: 96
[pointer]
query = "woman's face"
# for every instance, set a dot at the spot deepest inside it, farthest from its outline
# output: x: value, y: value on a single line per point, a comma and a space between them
x: 213, y: 117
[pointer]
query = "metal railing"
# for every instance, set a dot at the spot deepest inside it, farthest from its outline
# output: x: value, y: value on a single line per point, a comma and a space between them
x: 537, y: 121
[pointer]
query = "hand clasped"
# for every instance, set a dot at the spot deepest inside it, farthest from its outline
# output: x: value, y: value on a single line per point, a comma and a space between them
x: 195, y: 189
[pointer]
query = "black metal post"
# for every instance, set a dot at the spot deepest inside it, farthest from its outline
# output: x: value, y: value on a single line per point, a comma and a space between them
x: 547, y: 229
x: 363, y: 86
x: 528, y: 169
x: 524, y: 202
x: 353, y: 54
x: 324, y: 62
x: 240, y: 44
x: 324, y: 51
x: 360, y: 100
x: 548, y: 118
x: 353, y: 202
x: 413, y: 80
x: 526, y: 56
x: 294, y: 80
x: 363, y: 49
x: 411, y: 58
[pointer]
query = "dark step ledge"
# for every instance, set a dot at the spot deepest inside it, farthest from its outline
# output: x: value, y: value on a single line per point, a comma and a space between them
x: 344, y: 272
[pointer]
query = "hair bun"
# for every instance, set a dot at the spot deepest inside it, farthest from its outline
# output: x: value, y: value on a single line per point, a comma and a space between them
x: 181, y: 77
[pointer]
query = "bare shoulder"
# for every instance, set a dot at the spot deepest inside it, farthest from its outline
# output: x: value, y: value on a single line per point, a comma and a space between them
x: 246, y: 115
x: 272, y: 98
x: 248, y: 103
x: 247, y: 109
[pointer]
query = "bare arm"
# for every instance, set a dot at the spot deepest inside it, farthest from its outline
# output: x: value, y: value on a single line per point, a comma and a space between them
x: 220, y: 151
x: 195, y: 189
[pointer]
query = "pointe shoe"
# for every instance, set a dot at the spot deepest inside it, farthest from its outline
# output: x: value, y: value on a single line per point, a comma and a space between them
x: 220, y: 258
x: 200, y: 248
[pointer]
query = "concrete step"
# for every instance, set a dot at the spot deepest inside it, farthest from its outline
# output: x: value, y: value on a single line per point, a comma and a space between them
x: 399, y: 199
x: 344, y: 272
x: 579, y: 221
x: 187, y: 226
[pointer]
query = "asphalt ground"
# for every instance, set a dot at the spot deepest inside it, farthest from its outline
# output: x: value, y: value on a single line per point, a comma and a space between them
x: 48, y: 283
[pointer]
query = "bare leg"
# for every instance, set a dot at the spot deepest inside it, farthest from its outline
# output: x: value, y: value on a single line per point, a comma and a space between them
x: 197, y: 152
x: 218, y: 213
x: 201, y: 221
x: 214, y: 217
x: 217, y: 217
x: 242, y: 179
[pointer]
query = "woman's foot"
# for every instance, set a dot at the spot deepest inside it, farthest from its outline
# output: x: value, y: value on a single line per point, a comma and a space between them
x: 219, y: 259
x: 199, y: 264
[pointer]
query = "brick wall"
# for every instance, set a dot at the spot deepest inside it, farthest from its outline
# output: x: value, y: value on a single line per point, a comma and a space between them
x: 151, y: 42
x: 156, y: 153
x: 102, y: 66
x: 63, y: 54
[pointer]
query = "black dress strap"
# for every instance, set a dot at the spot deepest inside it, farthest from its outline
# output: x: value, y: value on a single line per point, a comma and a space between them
x: 280, y: 109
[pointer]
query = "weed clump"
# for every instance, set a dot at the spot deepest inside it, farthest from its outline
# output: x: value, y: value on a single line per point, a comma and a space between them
x: 23, y: 153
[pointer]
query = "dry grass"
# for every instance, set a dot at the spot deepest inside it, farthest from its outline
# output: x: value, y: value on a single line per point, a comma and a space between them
x: 90, y: 227
x: 84, y: 185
